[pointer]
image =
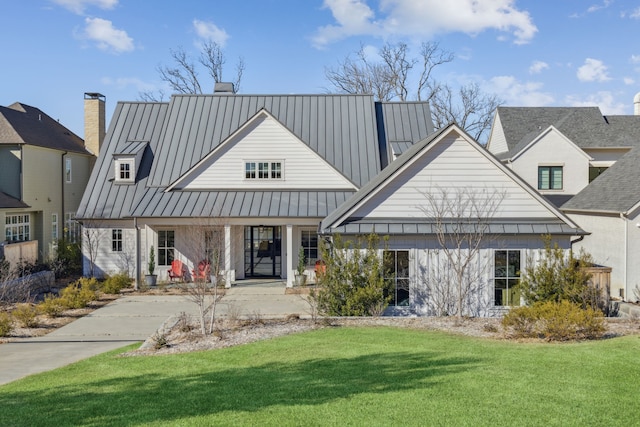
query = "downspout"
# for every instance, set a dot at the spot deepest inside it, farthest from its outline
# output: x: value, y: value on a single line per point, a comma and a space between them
x: 62, y: 217
x: 136, y: 285
x: 626, y: 252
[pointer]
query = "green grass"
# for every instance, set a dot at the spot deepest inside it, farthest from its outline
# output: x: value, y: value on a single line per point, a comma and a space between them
x: 343, y: 376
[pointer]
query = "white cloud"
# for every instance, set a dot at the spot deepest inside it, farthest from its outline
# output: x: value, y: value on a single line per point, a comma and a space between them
x: 629, y: 81
x: 604, y: 100
x: 594, y: 8
x: 106, y: 36
x: 537, y: 67
x: 521, y: 94
x: 424, y: 18
x: 635, y: 59
x: 210, y: 31
x: 79, y: 6
x: 635, y: 14
x: 593, y: 70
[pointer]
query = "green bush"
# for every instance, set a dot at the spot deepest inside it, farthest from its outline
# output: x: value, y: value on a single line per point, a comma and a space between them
x: 555, y: 321
x: 353, y: 282
x: 26, y: 315
x: 51, y: 306
x: 114, y: 284
x: 68, y: 260
x: 6, y: 324
x: 80, y: 293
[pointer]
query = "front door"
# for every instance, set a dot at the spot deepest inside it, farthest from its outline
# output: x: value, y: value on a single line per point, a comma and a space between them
x: 262, y: 251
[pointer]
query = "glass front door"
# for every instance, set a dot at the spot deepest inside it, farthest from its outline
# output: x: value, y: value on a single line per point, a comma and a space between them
x: 262, y: 251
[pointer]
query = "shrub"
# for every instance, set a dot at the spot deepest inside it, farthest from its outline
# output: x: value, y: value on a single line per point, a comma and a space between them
x: 114, y: 284
x: 79, y: 294
x: 68, y: 260
x: 6, y: 324
x: 555, y: 321
x: 26, y: 315
x: 353, y: 282
x: 51, y: 306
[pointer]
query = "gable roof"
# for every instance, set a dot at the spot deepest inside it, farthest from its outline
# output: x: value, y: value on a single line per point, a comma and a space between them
x: 345, y: 220
x: 615, y: 190
x: 22, y: 124
x: 8, y: 202
x: 585, y: 126
x: 343, y: 130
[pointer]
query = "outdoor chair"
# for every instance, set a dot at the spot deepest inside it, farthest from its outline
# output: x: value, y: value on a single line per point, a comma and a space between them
x: 177, y: 270
x: 202, y: 272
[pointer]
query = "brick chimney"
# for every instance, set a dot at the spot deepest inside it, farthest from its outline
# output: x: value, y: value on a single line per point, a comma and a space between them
x: 94, y: 121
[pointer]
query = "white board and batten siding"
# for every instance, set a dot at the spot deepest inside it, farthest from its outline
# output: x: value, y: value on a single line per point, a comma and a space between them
x: 497, y: 143
x: 451, y: 165
x: 265, y: 140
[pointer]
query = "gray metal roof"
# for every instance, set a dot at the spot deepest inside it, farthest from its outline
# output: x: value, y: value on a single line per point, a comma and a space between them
x: 129, y: 148
x: 393, y: 226
x: 584, y: 126
x: 343, y: 129
x: 615, y: 190
x: 23, y: 124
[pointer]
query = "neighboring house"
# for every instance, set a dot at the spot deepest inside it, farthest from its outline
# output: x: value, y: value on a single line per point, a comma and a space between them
x: 561, y: 151
x: 263, y: 171
x: 44, y: 168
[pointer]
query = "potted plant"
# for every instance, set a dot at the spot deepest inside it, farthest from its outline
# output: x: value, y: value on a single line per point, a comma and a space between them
x: 301, y: 278
x: 151, y: 278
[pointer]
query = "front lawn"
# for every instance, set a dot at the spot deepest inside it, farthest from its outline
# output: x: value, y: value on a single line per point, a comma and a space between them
x: 343, y: 376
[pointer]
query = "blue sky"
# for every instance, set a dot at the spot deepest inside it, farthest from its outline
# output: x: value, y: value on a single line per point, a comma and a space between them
x: 529, y: 53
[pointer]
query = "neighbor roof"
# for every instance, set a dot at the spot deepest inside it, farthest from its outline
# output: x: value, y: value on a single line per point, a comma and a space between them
x: 23, y: 124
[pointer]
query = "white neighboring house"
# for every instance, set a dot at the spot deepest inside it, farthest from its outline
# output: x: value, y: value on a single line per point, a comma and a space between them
x: 586, y: 164
x: 264, y: 171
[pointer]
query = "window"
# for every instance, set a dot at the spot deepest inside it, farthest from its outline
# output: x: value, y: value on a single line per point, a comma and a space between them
x: 125, y: 171
x: 309, y: 242
x: 54, y: 226
x: 506, y: 278
x: 595, y: 172
x: 17, y: 228
x: 71, y: 227
x: 67, y: 170
x: 263, y: 170
x: 396, y: 271
x: 166, y: 239
x: 116, y: 240
x: 549, y: 177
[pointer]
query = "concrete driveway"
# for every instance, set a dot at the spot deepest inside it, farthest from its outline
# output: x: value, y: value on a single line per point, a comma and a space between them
x: 133, y: 319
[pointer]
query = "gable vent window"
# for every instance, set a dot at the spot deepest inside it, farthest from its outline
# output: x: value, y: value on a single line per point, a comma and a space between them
x: 263, y: 170
x: 125, y: 170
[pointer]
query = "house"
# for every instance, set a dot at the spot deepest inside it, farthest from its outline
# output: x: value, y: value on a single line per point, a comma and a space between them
x: 261, y: 173
x: 256, y: 172
x: 448, y: 191
x: 586, y: 163
x: 44, y: 168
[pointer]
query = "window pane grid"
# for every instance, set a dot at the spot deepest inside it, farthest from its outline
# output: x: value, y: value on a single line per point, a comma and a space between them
x: 506, y: 278
x: 263, y: 170
x: 17, y: 228
x: 396, y: 270
x: 166, y: 239
x: 550, y: 178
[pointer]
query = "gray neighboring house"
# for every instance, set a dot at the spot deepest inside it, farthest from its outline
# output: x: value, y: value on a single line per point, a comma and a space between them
x: 44, y: 168
x: 271, y: 174
x: 587, y: 164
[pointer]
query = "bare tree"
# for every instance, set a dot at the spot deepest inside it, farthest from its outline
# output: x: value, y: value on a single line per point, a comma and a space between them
x: 400, y: 76
x: 461, y: 220
x: 205, y: 246
x: 184, y: 77
x: 471, y: 109
x: 92, y: 236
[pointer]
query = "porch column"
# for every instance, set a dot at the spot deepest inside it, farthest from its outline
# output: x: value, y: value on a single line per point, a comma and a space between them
x: 289, y: 255
x: 227, y: 256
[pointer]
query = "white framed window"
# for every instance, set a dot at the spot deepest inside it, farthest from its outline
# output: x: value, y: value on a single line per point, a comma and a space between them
x: 116, y: 240
x: 309, y: 242
x: 71, y: 227
x: 54, y: 226
x: 507, y: 265
x: 125, y: 170
x: 263, y: 169
x: 17, y: 228
x: 396, y: 274
x: 67, y: 170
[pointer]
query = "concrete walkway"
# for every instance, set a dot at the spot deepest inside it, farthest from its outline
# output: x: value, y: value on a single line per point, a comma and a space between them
x: 133, y: 319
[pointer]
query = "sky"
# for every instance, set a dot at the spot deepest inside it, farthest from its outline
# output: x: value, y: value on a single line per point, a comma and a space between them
x: 528, y: 53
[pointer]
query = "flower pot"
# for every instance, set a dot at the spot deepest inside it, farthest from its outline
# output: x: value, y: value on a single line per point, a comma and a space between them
x: 151, y: 279
x: 301, y: 279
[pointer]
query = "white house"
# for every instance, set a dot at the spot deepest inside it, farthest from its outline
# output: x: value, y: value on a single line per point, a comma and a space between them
x: 586, y: 163
x: 262, y: 172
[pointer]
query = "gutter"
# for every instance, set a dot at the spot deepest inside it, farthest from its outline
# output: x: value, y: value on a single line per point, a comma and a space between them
x: 62, y: 182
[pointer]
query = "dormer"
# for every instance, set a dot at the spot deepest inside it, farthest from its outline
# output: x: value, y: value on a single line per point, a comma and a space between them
x: 126, y: 161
